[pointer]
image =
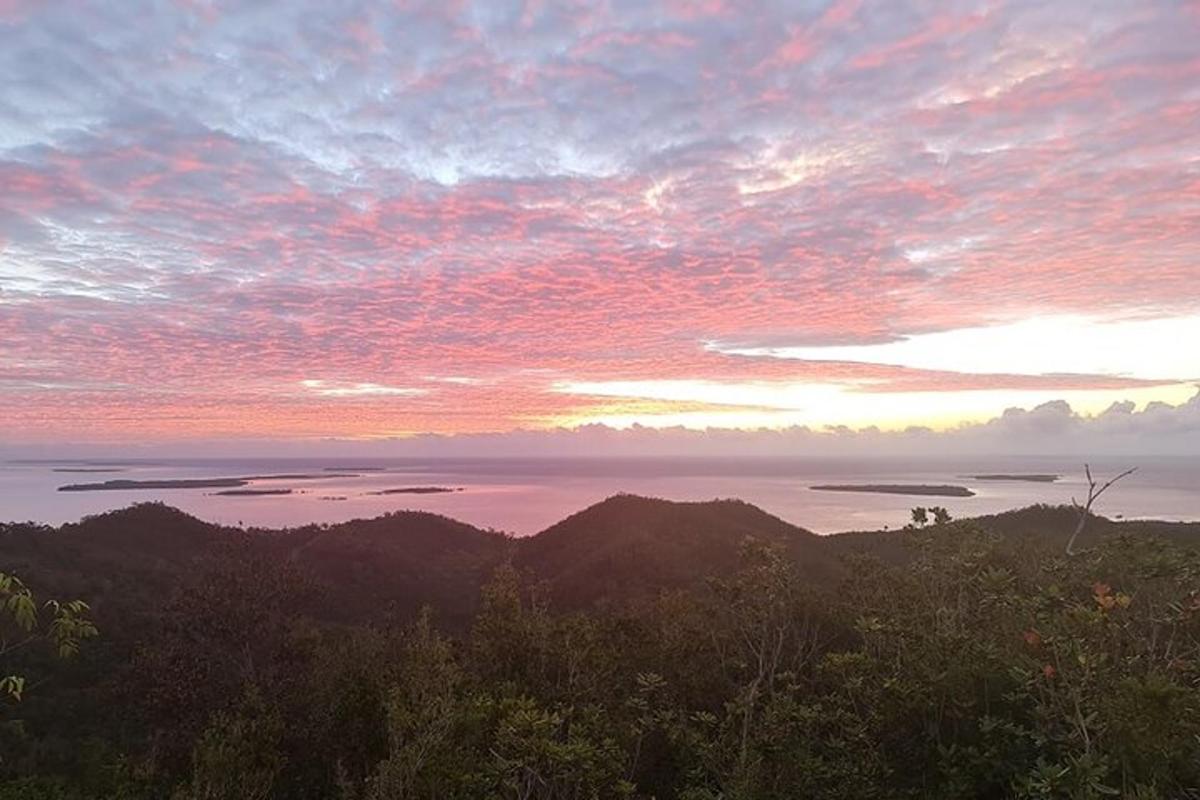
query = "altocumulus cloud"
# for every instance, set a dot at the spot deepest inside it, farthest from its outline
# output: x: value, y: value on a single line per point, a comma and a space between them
x: 443, y: 214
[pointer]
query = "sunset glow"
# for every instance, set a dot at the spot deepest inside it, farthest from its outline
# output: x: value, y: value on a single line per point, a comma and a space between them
x: 225, y: 220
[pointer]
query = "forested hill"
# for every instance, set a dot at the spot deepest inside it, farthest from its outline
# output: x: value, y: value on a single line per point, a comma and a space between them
x: 625, y: 548
x: 629, y: 547
x: 638, y: 649
x: 1037, y: 527
x: 365, y: 569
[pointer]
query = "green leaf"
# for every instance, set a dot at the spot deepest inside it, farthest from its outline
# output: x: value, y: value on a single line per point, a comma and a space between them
x: 23, y: 610
x: 13, y: 686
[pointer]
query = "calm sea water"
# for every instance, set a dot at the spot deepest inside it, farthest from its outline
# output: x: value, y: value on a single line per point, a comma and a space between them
x: 525, y: 496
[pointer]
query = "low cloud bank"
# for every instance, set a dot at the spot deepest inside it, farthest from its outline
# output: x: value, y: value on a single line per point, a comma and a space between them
x: 1049, y: 429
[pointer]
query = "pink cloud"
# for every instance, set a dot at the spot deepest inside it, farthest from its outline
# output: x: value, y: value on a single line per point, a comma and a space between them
x: 386, y: 195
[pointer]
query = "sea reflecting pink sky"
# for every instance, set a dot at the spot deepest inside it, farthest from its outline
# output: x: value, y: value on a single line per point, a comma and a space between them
x: 525, y: 496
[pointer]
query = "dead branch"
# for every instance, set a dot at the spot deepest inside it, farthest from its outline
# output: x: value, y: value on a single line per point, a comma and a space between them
x: 1085, y: 510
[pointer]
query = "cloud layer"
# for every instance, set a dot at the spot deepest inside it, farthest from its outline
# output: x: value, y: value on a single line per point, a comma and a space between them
x: 350, y: 219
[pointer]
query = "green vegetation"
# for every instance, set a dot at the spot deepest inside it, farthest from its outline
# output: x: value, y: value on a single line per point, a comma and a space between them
x: 936, y: 515
x: 639, y: 649
x: 21, y: 625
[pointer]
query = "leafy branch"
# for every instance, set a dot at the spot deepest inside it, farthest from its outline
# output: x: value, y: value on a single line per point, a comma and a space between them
x: 70, y: 624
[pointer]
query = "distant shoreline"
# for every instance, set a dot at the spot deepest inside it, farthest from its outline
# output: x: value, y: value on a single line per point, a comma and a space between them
x: 1031, y: 477
x: 89, y: 469
x: 897, y: 488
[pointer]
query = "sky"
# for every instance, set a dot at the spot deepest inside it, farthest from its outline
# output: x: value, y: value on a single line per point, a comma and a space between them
x: 307, y: 222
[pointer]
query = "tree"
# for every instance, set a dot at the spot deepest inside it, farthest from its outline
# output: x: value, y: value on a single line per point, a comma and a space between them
x: 237, y: 756
x: 423, y: 710
x: 231, y: 626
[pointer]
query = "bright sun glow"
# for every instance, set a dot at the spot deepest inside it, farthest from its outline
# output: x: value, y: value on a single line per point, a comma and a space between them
x: 1150, y: 349
x: 1147, y: 349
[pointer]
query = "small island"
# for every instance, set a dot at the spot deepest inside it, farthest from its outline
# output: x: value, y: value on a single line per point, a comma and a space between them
x: 301, y: 476
x: 195, y: 483
x: 898, y: 488
x: 418, y: 490
x: 190, y: 483
x: 355, y: 469
x: 252, y: 492
x: 1030, y: 477
x: 88, y: 469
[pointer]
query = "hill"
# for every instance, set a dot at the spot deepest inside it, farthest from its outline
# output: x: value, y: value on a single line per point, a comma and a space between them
x: 365, y: 568
x: 626, y: 547
x: 398, y: 563
x: 629, y: 546
x: 1036, y: 526
x: 125, y: 562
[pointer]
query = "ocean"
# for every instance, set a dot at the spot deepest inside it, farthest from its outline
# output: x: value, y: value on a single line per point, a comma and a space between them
x: 524, y: 496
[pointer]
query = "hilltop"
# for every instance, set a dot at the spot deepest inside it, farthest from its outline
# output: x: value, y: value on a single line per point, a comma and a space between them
x: 628, y: 546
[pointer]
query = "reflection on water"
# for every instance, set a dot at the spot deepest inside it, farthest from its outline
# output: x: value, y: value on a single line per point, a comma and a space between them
x: 525, y: 496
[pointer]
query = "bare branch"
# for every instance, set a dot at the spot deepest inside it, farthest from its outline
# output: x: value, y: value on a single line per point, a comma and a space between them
x: 1086, y: 509
x: 1127, y: 472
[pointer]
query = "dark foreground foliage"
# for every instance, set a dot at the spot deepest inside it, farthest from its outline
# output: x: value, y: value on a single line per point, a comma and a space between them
x: 965, y: 659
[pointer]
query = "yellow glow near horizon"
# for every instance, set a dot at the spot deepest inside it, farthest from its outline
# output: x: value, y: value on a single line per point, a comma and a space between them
x: 782, y: 405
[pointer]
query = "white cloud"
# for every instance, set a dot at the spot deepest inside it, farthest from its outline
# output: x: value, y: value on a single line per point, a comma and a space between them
x: 331, y: 389
x: 1160, y: 349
